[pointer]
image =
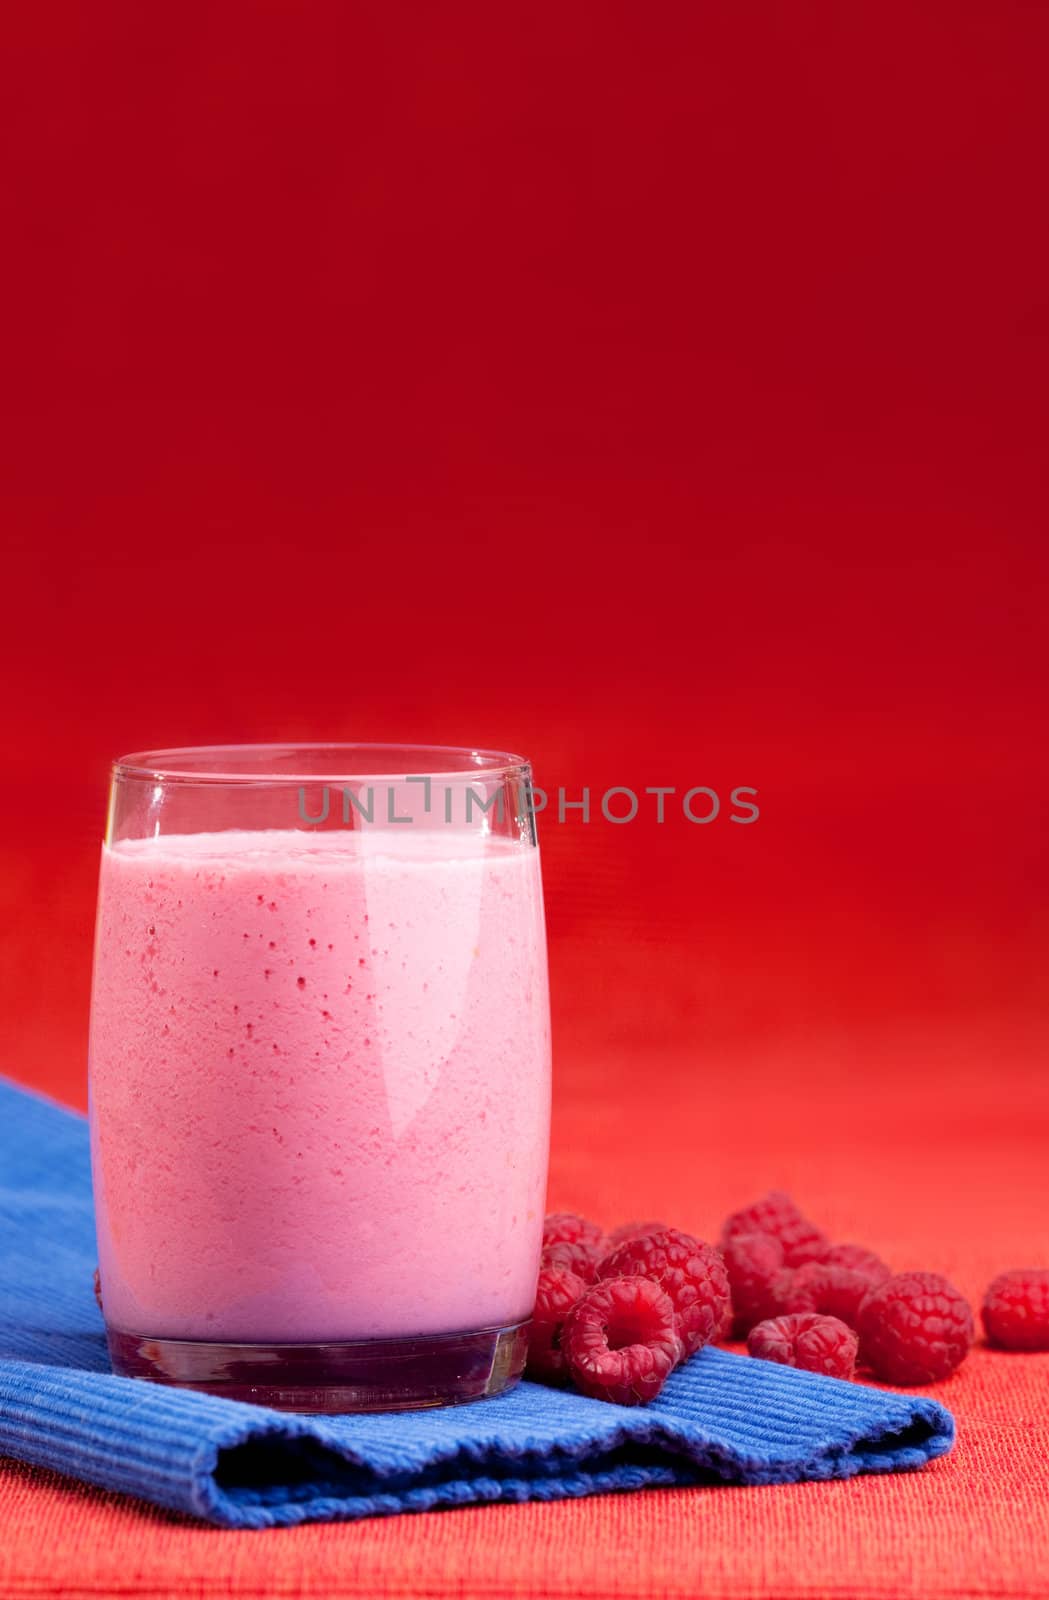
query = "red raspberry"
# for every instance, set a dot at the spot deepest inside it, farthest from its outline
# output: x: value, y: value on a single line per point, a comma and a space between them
x: 631, y: 1230
x: 620, y: 1341
x: 777, y: 1214
x: 806, y: 1340
x: 555, y: 1295
x: 757, y: 1278
x: 570, y: 1255
x: 1016, y: 1310
x: 572, y: 1242
x: 836, y: 1290
x: 690, y: 1272
x: 915, y: 1328
x: 561, y: 1225
x: 858, y: 1259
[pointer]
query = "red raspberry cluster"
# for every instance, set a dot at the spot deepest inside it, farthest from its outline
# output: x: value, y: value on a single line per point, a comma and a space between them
x: 616, y: 1312
x: 804, y: 1301
x: 615, y: 1315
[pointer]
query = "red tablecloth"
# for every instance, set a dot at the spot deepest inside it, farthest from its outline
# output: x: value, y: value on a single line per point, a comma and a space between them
x: 927, y: 1142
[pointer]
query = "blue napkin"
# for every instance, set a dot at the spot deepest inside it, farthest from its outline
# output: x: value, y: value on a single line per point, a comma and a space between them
x: 721, y: 1418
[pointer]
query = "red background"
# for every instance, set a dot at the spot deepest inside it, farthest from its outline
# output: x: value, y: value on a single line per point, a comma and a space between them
x: 657, y: 390
x: 660, y: 391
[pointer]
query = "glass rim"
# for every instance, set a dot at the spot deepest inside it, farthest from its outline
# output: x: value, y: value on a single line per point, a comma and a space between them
x: 253, y: 763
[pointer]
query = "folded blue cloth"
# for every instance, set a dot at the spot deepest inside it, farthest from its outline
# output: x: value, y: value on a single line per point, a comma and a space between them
x: 720, y: 1419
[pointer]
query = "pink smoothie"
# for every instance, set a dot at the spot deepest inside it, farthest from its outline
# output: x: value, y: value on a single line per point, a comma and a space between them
x: 320, y: 1084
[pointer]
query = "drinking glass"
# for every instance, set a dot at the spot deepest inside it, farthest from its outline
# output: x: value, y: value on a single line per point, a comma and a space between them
x: 320, y: 1072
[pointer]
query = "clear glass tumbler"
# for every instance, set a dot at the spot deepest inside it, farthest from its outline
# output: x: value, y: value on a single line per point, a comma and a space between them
x: 320, y: 1072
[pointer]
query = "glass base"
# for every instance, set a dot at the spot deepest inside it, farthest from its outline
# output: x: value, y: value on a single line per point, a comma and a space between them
x: 358, y: 1375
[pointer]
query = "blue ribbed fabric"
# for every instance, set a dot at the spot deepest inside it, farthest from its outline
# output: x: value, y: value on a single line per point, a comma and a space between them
x: 720, y: 1418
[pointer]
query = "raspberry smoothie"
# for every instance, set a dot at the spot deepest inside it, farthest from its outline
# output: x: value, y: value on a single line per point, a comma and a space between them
x: 320, y: 1084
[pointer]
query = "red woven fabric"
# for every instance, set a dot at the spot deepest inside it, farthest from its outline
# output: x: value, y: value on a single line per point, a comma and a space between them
x: 856, y: 1124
